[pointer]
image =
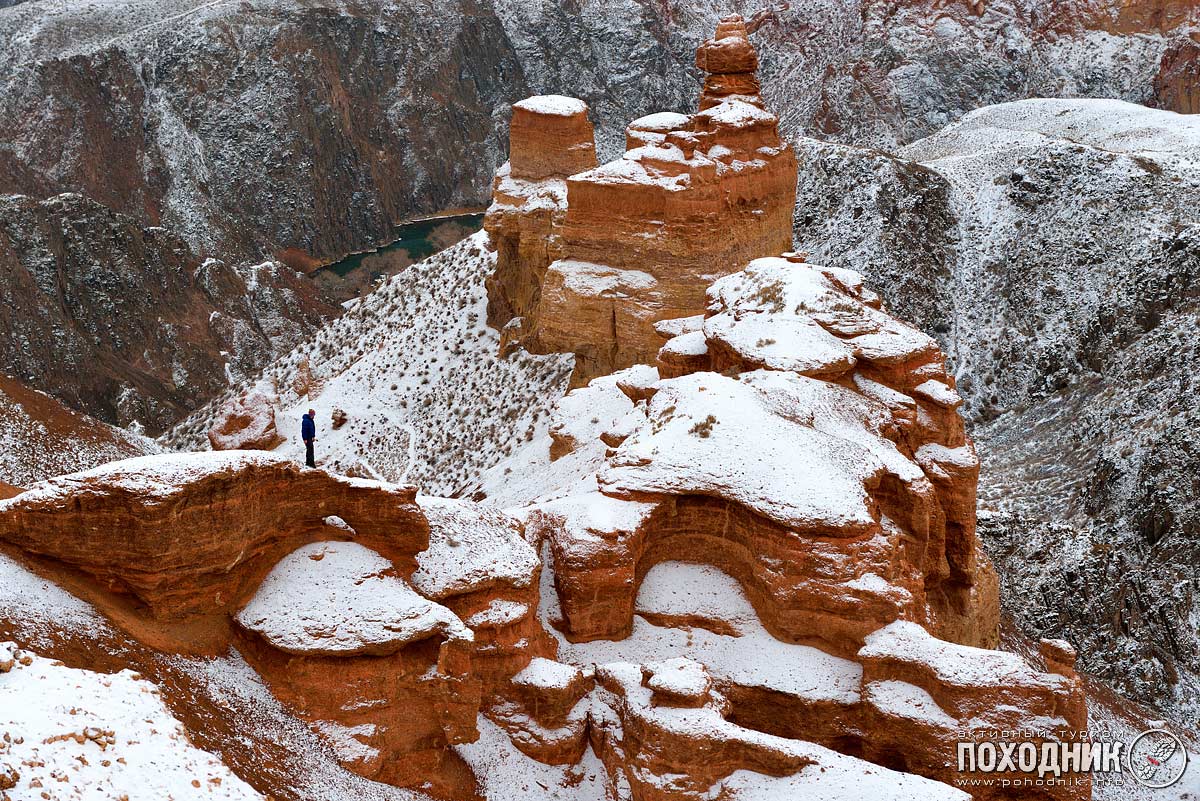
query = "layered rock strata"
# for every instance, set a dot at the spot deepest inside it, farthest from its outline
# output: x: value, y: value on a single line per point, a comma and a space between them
x: 120, y: 524
x: 799, y: 360
x: 636, y: 240
x: 383, y: 624
x: 849, y: 527
x: 381, y: 672
x: 550, y: 139
x: 730, y: 65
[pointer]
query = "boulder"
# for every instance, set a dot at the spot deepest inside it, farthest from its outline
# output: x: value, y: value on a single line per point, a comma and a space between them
x: 246, y: 422
x: 796, y: 358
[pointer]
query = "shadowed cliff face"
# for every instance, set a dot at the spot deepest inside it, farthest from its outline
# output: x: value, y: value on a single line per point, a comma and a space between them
x: 302, y: 133
x: 125, y: 322
x: 306, y: 131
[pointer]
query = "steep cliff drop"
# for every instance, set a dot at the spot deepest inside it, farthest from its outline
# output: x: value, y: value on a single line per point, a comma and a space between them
x: 741, y: 563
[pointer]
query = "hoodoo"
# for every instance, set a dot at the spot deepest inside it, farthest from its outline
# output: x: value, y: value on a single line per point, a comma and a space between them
x: 588, y: 262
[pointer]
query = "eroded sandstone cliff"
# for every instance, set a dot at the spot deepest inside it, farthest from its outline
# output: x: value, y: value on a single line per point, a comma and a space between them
x: 636, y: 240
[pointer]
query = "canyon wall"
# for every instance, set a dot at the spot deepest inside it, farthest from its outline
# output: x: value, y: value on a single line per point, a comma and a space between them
x: 258, y: 133
x: 123, y: 321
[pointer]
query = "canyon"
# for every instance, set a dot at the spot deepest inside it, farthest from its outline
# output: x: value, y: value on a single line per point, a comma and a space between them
x: 648, y: 597
x: 811, y: 402
x: 231, y: 127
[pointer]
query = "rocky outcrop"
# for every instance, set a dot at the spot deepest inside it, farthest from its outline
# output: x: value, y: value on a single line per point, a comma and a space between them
x: 124, y: 321
x: 729, y: 64
x: 924, y: 696
x: 664, y: 731
x: 246, y: 423
x: 635, y: 243
x: 887, y: 449
x: 381, y: 624
x: 550, y: 139
x: 1175, y: 85
x: 119, y: 524
x: 380, y: 671
x: 479, y: 565
x: 860, y: 561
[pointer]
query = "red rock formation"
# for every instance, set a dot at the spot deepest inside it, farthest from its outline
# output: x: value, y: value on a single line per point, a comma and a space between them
x: 1177, y: 84
x: 636, y: 244
x: 196, y: 534
x: 731, y: 65
x: 480, y: 567
x: 884, y: 500
x: 923, y: 696
x: 550, y: 138
x: 246, y: 423
x: 849, y: 524
x: 663, y: 729
x: 546, y: 715
x: 383, y: 674
x: 334, y: 585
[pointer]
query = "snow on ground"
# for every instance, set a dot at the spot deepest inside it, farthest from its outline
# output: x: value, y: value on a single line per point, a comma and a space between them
x: 75, y: 734
x: 506, y: 773
x: 41, y: 438
x: 41, y: 610
x: 1107, y: 723
x: 471, y: 546
x: 42, y: 616
x: 553, y: 105
x: 579, y: 418
x: 953, y: 665
x: 341, y: 598
x: 1010, y: 129
x: 417, y: 370
x: 545, y: 674
x: 754, y: 659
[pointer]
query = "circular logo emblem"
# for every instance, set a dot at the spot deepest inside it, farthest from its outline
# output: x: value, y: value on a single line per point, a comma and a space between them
x: 1157, y: 758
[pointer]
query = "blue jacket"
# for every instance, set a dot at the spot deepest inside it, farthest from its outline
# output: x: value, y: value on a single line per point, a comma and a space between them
x: 308, y: 429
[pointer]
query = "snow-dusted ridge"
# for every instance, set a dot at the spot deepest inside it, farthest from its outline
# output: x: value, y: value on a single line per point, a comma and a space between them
x: 417, y: 370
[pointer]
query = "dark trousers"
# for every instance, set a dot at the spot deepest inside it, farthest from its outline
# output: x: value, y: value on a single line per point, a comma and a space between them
x: 308, y: 453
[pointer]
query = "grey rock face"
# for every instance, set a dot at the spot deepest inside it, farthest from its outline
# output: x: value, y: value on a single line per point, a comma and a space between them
x: 124, y: 322
x: 1065, y: 237
x: 307, y: 131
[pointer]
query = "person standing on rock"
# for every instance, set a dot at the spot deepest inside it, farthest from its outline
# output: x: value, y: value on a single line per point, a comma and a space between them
x: 308, y: 431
